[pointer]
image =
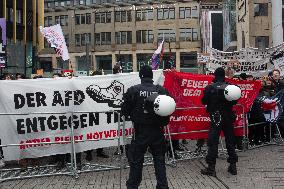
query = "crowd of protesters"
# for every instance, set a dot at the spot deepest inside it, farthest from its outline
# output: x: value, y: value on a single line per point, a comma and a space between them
x: 261, y: 131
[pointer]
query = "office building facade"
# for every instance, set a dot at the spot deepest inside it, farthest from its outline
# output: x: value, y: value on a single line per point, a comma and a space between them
x: 254, y: 24
x: 127, y: 32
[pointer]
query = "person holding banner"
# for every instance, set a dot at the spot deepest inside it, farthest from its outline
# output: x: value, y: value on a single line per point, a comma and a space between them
x: 222, y: 117
x: 148, y: 130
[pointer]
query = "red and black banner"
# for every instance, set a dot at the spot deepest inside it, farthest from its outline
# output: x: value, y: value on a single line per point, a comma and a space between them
x: 191, y: 116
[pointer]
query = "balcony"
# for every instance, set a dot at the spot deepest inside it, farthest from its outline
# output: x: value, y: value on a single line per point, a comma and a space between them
x: 122, y: 3
x: 139, y: 2
x: 48, y: 9
x: 59, y: 8
x: 168, y: 1
x: 81, y: 7
x: 95, y: 5
x: 108, y: 3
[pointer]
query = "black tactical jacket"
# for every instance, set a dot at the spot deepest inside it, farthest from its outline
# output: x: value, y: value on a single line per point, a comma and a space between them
x: 133, y: 103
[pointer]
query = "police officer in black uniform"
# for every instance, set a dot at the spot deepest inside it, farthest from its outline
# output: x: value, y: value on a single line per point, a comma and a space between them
x: 148, y: 130
x: 222, y: 118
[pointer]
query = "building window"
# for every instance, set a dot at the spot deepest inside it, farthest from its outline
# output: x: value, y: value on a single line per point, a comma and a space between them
x: 261, y: 42
x: 166, y: 13
x: 88, y: 2
x: 98, y: 17
x: 123, y: 37
x: 168, y: 35
x: 98, y: 38
x: 57, y: 19
x: 19, y: 16
x: 185, y: 34
x: 88, y: 18
x: 62, y: 3
x: 82, y: 39
x: 188, y: 60
x: 243, y: 39
x: 188, y: 12
x: 77, y: 19
x: 10, y: 13
x: 108, y: 17
x: 88, y: 38
x: 83, y: 19
x: 184, y: 12
x: 188, y: 34
x: 194, y: 12
x: 66, y: 40
x: 143, y: 15
x: 85, y: 39
x: 64, y: 20
x: 46, y: 44
x: 103, y: 38
x: 103, y: 17
x: 77, y: 40
x: 260, y: 9
x: 129, y: 17
x: 117, y: 16
x: 144, y: 36
x: 47, y: 21
x: 122, y: 16
x: 79, y: 2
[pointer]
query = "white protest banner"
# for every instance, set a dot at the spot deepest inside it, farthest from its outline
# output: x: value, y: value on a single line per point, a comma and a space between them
x: 54, y: 36
x: 203, y: 58
x: 43, y: 110
x: 252, y: 61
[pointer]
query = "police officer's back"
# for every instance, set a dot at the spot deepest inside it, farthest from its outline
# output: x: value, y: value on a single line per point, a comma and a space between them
x: 214, y: 98
x: 148, y: 130
x: 222, y: 117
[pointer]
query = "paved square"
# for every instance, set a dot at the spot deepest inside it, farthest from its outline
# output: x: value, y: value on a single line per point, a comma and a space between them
x: 258, y: 168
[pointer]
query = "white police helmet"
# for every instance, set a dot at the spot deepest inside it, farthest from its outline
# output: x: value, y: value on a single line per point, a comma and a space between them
x: 232, y: 92
x: 161, y: 105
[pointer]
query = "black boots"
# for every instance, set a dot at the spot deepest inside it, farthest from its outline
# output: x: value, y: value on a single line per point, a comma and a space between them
x: 210, y: 170
x: 232, y: 169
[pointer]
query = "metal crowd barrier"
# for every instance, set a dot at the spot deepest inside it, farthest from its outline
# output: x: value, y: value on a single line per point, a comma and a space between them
x: 188, y: 155
x: 11, y: 172
x: 72, y: 170
x: 277, y: 140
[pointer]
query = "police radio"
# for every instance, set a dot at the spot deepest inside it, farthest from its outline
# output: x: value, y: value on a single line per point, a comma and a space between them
x: 161, y: 105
